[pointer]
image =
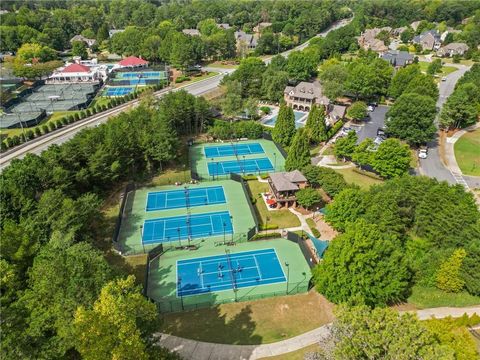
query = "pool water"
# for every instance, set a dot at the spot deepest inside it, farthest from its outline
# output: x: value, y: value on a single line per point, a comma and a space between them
x: 298, y: 116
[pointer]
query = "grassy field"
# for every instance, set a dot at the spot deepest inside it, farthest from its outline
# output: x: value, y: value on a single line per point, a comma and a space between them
x: 218, y: 64
x: 195, y: 79
x: 281, y: 218
x: 295, y: 355
x: 445, y: 69
x: 258, y: 322
x: 423, y: 298
x: 353, y: 177
x: 467, y: 153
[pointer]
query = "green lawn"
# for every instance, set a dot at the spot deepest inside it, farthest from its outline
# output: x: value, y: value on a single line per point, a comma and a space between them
x: 423, y: 298
x: 445, y: 69
x: 253, y: 322
x: 195, y: 79
x: 353, y: 177
x: 282, y: 218
x: 467, y: 153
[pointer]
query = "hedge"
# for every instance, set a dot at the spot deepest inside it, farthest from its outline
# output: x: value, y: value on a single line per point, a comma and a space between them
x: 45, y: 129
x: 266, y: 236
x: 38, y: 132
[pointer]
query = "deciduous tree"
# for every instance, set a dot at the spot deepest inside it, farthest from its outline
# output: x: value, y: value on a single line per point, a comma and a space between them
x: 392, y: 158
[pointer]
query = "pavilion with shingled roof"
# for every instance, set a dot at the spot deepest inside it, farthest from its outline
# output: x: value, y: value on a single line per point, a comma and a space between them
x: 284, y: 186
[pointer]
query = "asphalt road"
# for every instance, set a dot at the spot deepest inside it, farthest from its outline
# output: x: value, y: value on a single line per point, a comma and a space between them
x: 433, y: 165
x: 60, y: 136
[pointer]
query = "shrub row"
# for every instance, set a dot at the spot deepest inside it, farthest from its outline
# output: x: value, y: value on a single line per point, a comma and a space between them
x: 266, y: 236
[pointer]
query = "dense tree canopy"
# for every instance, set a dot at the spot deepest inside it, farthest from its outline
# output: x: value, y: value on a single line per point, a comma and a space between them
x: 418, y: 213
x: 411, y: 118
x: 50, y: 213
x: 284, y: 129
x: 299, y: 151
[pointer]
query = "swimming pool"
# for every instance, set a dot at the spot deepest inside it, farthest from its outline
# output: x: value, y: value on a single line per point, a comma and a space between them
x: 299, y: 119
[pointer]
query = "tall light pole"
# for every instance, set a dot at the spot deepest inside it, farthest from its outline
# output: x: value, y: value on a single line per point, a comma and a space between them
x: 274, y: 161
x: 224, y: 232
x: 231, y: 221
x: 288, y: 274
x: 179, y: 241
x: 213, y: 170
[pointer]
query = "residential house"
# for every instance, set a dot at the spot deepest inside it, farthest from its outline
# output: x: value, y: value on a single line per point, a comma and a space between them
x: 114, y: 31
x: 398, y: 58
x: 191, y: 32
x: 453, y: 49
x: 87, y: 41
x: 261, y: 26
x: 305, y: 95
x: 398, y: 31
x: 414, y: 25
x: 245, y: 42
x: 284, y: 186
x: 224, y: 26
x: 335, y: 113
x: 428, y: 40
x: 368, y: 40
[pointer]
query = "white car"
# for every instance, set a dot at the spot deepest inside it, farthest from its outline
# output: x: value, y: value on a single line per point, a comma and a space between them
x: 423, y: 153
x: 370, y: 108
x: 444, y: 78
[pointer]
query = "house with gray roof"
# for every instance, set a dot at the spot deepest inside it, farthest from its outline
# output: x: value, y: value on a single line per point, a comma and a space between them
x: 284, y: 186
x: 191, y: 32
x: 224, y: 26
x: 428, y: 40
x: 398, y: 58
x: 81, y: 38
x: 245, y: 42
x: 453, y: 49
x: 304, y: 95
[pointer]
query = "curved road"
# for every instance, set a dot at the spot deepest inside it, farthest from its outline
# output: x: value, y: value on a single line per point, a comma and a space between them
x: 62, y: 135
x: 433, y: 166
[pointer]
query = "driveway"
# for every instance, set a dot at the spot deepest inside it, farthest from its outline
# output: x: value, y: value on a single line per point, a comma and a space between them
x: 375, y: 121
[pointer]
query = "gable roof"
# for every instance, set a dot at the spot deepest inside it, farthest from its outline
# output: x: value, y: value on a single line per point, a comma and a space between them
x: 308, y: 90
x: 287, y: 181
x: 191, y: 32
x: 397, y: 58
x: 76, y: 68
x: 434, y: 33
x: 132, y: 61
x: 456, y: 46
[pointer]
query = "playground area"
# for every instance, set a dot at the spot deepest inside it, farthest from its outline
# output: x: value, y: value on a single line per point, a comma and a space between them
x: 217, y: 160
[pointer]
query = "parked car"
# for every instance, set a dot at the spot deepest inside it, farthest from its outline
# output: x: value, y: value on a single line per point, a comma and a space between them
x: 378, y: 140
x: 381, y: 133
x: 444, y: 78
x: 370, y: 108
x: 423, y: 152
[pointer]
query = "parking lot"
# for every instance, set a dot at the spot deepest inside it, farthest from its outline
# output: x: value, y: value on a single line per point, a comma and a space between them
x: 376, y: 120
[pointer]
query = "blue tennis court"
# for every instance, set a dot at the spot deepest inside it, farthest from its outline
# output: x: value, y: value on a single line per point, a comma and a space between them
x: 185, y: 227
x: 118, y: 91
x: 141, y: 74
x: 233, y: 149
x: 175, y: 199
x: 228, y: 271
x: 245, y: 166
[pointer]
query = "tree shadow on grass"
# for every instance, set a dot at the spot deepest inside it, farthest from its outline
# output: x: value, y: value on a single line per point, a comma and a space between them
x: 211, y: 325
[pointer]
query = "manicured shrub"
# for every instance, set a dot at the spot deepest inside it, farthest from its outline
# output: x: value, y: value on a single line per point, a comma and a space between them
x: 88, y: 112
x: 71, y: 119
x: 3, y: 146
x: 76, y: 116
x: 64, y: 121
x: 82, y: 114
x: 38, y: 132
x: 16, y: 140
x: 58, y: 124
x: 52, y: 126
x: 29, y: 134
x: 9, y: 142
x: 103, y: 107
x: 45, y: 129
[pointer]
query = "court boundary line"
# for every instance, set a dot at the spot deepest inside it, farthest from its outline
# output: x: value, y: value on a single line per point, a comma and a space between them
x: 177, y: 190
x: 248, y: 251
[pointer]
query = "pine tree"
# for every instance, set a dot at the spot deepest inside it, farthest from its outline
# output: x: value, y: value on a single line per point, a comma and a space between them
x: 316, y: 126
x: 299, y: 153
x: 284, y: 129
x: 448, y: 276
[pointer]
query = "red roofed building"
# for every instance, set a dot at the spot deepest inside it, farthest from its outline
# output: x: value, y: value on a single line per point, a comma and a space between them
x: 133, y: 62
x: 74, y: 73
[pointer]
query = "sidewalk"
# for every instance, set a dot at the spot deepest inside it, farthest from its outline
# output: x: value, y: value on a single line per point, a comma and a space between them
x: 199, y: 350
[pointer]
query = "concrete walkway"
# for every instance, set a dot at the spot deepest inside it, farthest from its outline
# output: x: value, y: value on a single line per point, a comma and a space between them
x: 199, y: 350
